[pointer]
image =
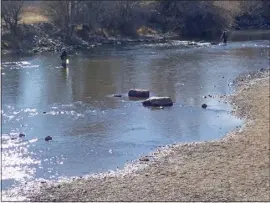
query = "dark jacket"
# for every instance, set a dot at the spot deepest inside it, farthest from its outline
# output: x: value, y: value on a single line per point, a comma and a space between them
x: 224, y: 37
x: 63, y: 55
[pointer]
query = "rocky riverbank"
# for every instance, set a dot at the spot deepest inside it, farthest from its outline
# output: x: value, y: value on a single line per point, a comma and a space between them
x: 45, y: 37
x: 235, y: 168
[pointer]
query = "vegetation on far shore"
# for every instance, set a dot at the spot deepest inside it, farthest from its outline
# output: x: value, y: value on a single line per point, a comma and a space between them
x: 51, y: 25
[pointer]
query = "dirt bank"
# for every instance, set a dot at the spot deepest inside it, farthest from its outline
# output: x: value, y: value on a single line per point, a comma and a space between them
x: 235, y: 168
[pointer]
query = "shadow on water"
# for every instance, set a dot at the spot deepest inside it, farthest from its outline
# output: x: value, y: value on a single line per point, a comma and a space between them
x: 93, y: 131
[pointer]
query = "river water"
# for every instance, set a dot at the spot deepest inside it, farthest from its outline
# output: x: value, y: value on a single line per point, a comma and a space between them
x: 93, y: 131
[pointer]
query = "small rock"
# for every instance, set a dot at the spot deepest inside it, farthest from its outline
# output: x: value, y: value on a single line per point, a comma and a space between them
x: 144, y: 159
x: 21, y: 135
x: 44, y: 112
x: 223, y: 77
x: 204, y: 106
x: 205, y: 97
x: 139, y: 93
x: 48, y: 138
x: 117, y: 95
x: 42, y: 181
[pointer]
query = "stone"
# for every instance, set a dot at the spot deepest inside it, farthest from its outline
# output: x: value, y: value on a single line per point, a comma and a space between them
x: 144, y: 159
x: 142, y: 93
x: 158, y: 101
x: 204, y: 106
x: 117, y: 95
x: 21, y: 135
x: 48, y: 138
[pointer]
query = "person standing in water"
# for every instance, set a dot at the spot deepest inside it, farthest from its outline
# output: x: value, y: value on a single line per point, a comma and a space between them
x: 224, y: 36
x: 64, y: 58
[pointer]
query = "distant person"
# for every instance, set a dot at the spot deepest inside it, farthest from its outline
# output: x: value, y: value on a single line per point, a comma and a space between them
x: 64, y: 58
x: 224, y: 36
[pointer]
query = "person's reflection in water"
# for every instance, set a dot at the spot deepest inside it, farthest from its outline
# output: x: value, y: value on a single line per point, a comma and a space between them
x: 65, y: 73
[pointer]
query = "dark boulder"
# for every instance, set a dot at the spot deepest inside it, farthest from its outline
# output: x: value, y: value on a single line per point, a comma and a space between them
x: 139, y: 93
x: 158, y: 101
x: 204, y: 106
x: 21, y: 135
x: 48, y: 138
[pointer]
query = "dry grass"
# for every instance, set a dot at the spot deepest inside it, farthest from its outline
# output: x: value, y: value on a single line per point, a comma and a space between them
x: 33, y: 14
x: 235, y: 168
x: 143, y: 30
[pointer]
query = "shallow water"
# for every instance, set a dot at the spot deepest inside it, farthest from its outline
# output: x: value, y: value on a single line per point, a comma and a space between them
x: 93, y: 131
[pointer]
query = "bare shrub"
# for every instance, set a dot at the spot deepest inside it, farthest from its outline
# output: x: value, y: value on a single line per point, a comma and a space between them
x: 197, y: 18
x: 10, y: 14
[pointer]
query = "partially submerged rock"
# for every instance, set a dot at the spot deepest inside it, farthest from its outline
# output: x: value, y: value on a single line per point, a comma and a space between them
x: 204, y: 106
x: 158, y: 101
x: 48, y: 138
x: 21, y: 135
x: 117, y: 95
x: 142, y: 93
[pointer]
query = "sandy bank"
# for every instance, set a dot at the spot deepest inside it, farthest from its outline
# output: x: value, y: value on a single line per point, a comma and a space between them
x: 235, y: 168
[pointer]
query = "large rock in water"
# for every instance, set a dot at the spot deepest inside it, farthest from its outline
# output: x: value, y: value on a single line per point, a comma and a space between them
x: 158, y: 101
x: 139, y: 93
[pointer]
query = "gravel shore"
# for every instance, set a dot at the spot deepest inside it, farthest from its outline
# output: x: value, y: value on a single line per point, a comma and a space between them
x: 235, y: 168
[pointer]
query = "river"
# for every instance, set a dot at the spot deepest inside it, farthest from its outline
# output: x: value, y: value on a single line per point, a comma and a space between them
x: 93, y: 131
